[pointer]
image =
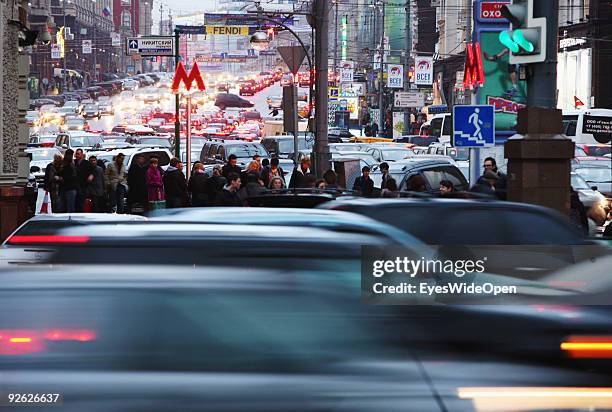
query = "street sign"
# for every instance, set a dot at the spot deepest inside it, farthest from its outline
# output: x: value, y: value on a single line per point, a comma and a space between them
x: 423, y: 71
x: 190, y: 29
x: 395, y: 76
x: 115, y: 39
x: 473, y: 126
x: 86, y: 46
x: 227, y: 30
x: 293, y: 56
x: 150, y: 45
x: 56, y: 51
x: 409, y: 99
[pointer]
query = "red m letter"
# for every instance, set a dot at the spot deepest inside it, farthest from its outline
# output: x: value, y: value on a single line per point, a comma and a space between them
x: 180, y: 75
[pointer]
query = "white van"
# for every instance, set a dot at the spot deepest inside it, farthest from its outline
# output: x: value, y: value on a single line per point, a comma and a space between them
x: 440, y: 126
x: 589, y: 126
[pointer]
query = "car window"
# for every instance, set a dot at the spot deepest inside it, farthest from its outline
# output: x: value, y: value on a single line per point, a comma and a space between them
x: 414, y: 183
x: 422, y: 222
x: 164, y: 158
x: 538, y: 229
x: 213, y: 150
x: 435, y: 127
x: 569, y: 125
x: 434, y: 176
x: 455, y: 176
x: 221, y: 152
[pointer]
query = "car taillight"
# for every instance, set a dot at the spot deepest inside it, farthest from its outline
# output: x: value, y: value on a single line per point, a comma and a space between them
x: 46, y: 239
x: 25, y: 341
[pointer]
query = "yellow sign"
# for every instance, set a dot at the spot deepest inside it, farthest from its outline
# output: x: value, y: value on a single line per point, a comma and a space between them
x: 227, y: 30
x: 59, y: 40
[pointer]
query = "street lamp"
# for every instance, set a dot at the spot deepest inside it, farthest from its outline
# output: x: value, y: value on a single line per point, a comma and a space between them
x: 260, y: 41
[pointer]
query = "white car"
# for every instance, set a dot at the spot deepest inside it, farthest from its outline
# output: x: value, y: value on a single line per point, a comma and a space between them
x: 41, y: 157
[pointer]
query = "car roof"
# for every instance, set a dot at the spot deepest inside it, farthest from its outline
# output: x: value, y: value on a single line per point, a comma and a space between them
x: 85, y: 217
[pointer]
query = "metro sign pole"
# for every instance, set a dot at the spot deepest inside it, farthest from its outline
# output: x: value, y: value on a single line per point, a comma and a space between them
x: 181, y: 76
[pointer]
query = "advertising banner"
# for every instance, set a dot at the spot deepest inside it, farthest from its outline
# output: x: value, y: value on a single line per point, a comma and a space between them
x: 395, y: 76
x: 423, y: 71
x: 55, y: 51
x: 86, y: 46
x: 502, y: 88
x: 398, y: 124
x: 347, y: 70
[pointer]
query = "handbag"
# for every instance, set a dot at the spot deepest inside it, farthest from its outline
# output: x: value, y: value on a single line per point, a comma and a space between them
x: 157, y: 204
x: 87, y: 205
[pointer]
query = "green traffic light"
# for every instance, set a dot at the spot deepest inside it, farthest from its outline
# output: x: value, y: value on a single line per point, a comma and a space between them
x: 519, y: 38
x: 506, y: 40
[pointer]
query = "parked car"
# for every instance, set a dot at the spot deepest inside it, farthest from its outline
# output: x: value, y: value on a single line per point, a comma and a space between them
x: 225, y: 100
x: 77, y: 140
x: 218, y: 151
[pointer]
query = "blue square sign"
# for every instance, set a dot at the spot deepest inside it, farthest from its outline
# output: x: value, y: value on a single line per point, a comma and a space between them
x: 473, y: 126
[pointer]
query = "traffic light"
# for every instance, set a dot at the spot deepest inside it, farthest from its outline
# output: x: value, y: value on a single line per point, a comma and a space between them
x: 526, y: 39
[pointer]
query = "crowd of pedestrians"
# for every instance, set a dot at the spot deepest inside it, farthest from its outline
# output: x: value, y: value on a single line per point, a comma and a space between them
x: 76, y: 184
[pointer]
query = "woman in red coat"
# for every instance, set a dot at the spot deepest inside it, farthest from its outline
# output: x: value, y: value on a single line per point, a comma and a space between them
x: 155, y: 185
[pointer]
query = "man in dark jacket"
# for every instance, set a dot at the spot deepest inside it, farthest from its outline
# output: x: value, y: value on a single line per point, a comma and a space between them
x: 486, y: 184
x: 231, y: 166
x: 85, y: 174
x: 501, y: 186
x: 252, y: 187
x: 363, y: 184
x: 175, y: 185
x: 214, y: 184
x: 229, y: 195
x: 137, y: 194
x: 198, y: 186
x: 95, y: 188
x: 298, y: 177
x: 384, y: 170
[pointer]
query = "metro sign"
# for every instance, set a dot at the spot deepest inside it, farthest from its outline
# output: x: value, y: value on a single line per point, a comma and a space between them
x: 181, y: 76
x: 473, y: 74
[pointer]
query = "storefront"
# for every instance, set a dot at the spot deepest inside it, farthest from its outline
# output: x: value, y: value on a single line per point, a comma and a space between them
x: 574, y: 73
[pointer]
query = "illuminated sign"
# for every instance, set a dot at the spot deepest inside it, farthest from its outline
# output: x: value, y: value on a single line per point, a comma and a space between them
x: 181, y: 76
x: 227, y: 30
x: 473, y: 72
x: 59, y: 40
x: 502, y: 105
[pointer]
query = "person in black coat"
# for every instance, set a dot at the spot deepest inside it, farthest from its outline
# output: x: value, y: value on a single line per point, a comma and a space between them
x: 298, y: 177
x: 68, y: 183
x: 228, y: 196
x: 85, y: 174
x: 486, y: 184
x: 175, y: 185
x: 231, y: 167
x: 363, y: 184
x: 198, y: 186
x: 137, y: 194
x: 215, y: 184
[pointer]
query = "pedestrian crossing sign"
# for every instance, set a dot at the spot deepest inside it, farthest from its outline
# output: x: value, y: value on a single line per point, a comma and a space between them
x: 473, y: 126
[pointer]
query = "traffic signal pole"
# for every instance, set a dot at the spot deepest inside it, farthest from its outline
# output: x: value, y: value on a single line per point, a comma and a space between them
x: 542, y: 77
x: 177, y: 102
x: 322, y: 155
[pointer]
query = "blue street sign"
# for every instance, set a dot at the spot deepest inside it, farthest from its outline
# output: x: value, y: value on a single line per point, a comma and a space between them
x: 473, y: 126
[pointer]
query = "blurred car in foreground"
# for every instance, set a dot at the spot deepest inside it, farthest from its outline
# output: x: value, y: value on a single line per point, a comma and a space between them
x: 30, y: 242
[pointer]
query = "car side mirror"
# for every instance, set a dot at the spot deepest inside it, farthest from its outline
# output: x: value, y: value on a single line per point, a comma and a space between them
x: 34, y: 169
x: 593, y: 187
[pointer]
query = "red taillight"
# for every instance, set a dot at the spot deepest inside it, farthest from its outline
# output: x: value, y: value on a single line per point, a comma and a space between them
x: 25, y: 341
x: 46, y: 239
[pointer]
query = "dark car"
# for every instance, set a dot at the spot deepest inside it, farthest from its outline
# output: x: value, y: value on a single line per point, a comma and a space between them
x: 416, y: 140
x: 282, y: 146
x: 225, y: 100
x: 250, y: 115
x: 38, y: 103
x: 338, y: 134
x: 535, y: 240
x: 218, y: 151
x: 96, y: 91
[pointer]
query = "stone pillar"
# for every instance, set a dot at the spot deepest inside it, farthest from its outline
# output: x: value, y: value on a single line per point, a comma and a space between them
x: 539, y: 160
x: 14, y: 102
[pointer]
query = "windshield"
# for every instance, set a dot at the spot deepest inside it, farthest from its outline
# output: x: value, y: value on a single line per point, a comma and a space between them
x: 395, y: 155
x: 595, y: 174
x: 286, y: 146
x: 106, y: 158
x: 569, y: 125
x: 578, y: 182
x: 154, y: 141
x: 91, y: 107
x: 246, y: 151
x: 85, y: 141
x: 460, y: 153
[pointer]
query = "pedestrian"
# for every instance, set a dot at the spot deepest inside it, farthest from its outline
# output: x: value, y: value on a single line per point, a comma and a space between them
x: 95, y: 188
x: 137, y: 193
x: 116, y: 183
x: 374, y: 129
x: 231, y: 166
x: 155, y: 186
x: 277, y: 183
x: 198, y: 186
x: 384, y: 169
x: 252, y: 188
x: 272, y: 171
x: 85, y: 176
x: 501, y: 186
x: 331, y: 179
x: 252, y: 168
x: 68, y: 183
x: 486, y: 184
x: 52, y: 181
x: 228, y: 196
x: 447, y: 187
x: 364, y: 185
x: 577, y: 213
x: 214, y: 184
x: 257, y: 158
x: 321, y: 184
x: 175, y: 185
x: 367, y: 130
x: 298, y: 177
x: 390, y: 190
